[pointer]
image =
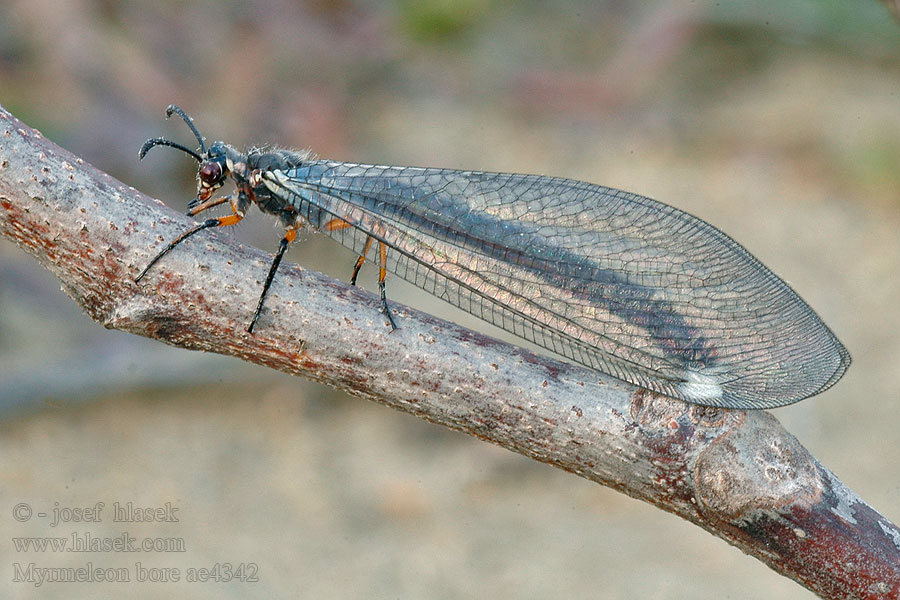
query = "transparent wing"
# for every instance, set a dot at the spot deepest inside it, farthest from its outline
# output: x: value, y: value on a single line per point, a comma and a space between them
x: 612, y: 280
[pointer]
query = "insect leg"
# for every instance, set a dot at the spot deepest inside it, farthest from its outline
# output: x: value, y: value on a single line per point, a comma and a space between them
x: 195, y: 206
x: 382, y: 273
x: 289, y: 236
x: 220, y: 222
x: 360, y: 261
x: 339, y: 224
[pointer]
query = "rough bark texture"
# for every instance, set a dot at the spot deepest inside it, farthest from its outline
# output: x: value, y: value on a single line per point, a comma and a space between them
x: 739, y: 475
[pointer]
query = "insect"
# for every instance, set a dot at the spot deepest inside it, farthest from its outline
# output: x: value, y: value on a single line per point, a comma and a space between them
x: 615, y: 281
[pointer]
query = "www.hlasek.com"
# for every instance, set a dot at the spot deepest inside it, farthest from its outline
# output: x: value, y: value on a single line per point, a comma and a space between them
x: 87, y: 542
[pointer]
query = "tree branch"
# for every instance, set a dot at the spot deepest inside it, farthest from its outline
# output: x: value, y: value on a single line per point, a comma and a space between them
x: 739, y: 475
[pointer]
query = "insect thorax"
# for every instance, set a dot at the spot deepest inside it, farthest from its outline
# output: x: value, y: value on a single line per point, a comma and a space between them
x: 248, y: 177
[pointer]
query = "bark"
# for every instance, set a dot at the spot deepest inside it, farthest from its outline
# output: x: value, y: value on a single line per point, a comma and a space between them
x: 737, y: 474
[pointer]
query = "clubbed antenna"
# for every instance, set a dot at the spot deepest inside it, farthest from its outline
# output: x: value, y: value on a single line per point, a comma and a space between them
x: 190, y: 123
x: 164, y: 142
x: 172, y: 109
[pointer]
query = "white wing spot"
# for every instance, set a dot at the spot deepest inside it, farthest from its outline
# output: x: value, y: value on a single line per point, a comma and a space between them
x: 698, y: 387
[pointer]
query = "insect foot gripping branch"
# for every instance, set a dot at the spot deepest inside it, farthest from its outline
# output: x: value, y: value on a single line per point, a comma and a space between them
x: 615, y: 281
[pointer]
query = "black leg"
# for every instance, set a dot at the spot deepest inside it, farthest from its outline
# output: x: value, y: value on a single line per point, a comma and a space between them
x: 282, y: 247
x: 205, y: 225
x: 382, y: 273
x: 384, y: 306
x: 356, y: 268
x: 360, y: 261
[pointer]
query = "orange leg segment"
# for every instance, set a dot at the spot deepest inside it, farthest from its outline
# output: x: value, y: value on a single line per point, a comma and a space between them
x: 382, y: 273
x: 198, y: 207
x: 229, y: 220
x: 336, y: 225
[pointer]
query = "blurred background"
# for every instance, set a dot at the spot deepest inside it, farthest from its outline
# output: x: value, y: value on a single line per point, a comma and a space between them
x: 776, y: 121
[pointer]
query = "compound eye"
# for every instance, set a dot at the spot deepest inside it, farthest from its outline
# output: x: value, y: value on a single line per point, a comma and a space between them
x: 210, y: 173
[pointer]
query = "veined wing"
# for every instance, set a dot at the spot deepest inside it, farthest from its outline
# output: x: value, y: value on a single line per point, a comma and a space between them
x: 612, y: 280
